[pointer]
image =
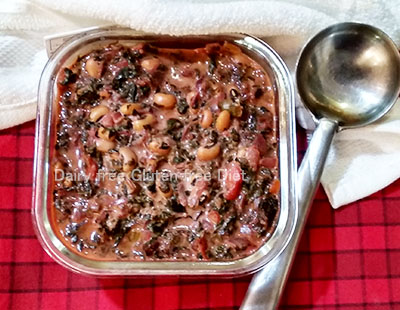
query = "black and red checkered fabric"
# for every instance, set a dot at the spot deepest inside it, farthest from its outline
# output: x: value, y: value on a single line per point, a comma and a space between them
x: 348, y: 259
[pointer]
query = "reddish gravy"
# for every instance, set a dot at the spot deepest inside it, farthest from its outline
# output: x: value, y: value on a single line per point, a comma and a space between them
x: 165, y: 154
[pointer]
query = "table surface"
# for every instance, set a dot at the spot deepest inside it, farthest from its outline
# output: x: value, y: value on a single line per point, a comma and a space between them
x: 348, y: 258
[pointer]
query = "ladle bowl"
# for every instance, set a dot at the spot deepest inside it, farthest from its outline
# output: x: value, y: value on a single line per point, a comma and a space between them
x: 349, y: 73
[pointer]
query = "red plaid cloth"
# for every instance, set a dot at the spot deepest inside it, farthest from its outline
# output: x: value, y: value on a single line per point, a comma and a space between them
x: 348, y: 259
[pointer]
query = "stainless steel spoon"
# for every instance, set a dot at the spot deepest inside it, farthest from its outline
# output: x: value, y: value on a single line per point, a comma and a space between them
x: 348, y: 75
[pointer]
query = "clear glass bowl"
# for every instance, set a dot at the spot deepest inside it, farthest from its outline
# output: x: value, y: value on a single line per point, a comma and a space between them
x: 83, y: 43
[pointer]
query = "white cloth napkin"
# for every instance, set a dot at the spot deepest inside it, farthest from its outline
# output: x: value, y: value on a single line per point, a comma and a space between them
x: 356, y: 167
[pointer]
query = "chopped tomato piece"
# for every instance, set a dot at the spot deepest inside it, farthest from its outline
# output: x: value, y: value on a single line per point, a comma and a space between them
x: 253, y: 157
x: 201, y: 246
x: 261, y: 144
x: 107, y: 120
x: 122, y: 64
x: 275, y: 186
x: 268, y: 162
x: 214, y: 217
x: 117, y: 117
x: 145, y: 235
x: 233, y: 181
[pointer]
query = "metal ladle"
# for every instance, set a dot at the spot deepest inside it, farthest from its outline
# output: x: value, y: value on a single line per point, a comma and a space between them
x: 348, y: 75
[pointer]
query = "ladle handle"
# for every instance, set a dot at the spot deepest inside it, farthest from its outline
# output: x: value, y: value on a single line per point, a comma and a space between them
x: 267, y: 285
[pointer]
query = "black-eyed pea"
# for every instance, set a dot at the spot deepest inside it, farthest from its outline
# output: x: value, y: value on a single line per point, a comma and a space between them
x: 105, y: 134
x: 164, y: 188
x: 129, y: 108
x: 206, y: 119
x: 97, y: 112
x: 104, y: 145
x: 223, y: 121
x: 129, y: 159
x: 166, y: 101
x: 138, y: 125
x: 152, y: 164
x: 208, y: 153
x: 150, y: 64
x: 94, y: 68
x: 114, y: 156
x: 159, y: 147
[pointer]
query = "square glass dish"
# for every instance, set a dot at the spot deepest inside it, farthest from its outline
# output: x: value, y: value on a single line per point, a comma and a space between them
x: 86, y: 42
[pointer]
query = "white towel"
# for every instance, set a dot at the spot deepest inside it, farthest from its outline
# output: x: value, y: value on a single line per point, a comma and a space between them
x: 355, y: 168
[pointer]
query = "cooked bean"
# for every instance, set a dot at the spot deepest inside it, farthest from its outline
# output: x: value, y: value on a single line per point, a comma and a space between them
x: 164, y: 189
x: 223, y: 121
x: 159, y: 147
x: 104, y: 145
x: 150, y: 64
x: 94, y: 68
x: 129, y: 158
x: 98, y: 112
x: 152, y: 164
x: 206, y: 154
x: 112, y: 161
x: 104, y: 94
x: 105, y: 134
x: 167, y: 101
x: 139, y: 124
x: 206, y: 119
x: 128, y: 108
x: 167, y: 194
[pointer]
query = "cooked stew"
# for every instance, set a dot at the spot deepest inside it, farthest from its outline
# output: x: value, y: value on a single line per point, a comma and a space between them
x: 165, y: 154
